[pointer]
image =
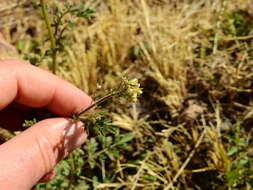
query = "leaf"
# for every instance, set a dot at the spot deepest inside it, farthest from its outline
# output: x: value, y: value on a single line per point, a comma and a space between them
x: 231, y: 176
x: 71, y: 25
x: 125, y: 138
x: 85, y: 13
x: 29, y: 123
x: 68, y: 5
x: 105, y: 141
x: 150, y: 178
x: 92, y: 146
x: 241, y: 142
x: 243, y: 161
x: 49, y: 52
x: 112, y: 130
x: 92, y: 163
x: 95, y: 182
x: 233, y: 151
x: 113, y: 154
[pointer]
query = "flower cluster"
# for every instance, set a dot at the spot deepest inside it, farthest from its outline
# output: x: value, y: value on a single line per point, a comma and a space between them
x: 129, y: 89
x: 132, y: 89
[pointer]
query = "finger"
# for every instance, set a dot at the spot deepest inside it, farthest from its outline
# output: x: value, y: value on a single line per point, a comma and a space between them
x: 48, y: 177
x: 26, y: 158
x: 34, y: 87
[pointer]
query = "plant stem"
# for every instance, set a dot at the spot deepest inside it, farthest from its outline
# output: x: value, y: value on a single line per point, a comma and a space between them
x: 50, y: 33
x: 115, y: 92
x: 238, y: 38
x: 99, y: 101
x: 72, y: 170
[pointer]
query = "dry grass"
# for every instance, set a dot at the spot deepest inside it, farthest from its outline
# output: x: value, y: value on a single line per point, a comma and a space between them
x: 196, y: 73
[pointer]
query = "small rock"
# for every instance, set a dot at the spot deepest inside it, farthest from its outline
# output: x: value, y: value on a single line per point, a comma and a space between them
x: 192, y: 111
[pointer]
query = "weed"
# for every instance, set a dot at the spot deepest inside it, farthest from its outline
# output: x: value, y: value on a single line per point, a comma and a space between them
x: 29, y: 123
x: 192, y: 126
x: 56, y: 28
x: 240, y: 174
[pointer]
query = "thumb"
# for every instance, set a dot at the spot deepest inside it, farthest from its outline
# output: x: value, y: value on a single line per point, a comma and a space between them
x: 29, y: 156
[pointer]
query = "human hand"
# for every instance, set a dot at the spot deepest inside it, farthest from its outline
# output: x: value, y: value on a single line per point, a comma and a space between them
x: 31, y: 156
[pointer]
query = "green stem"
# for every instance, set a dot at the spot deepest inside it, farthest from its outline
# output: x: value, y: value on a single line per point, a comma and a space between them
x: 50, y: 33
x: 72, y: 171
x: 96, y: 103
x: 116, y: 92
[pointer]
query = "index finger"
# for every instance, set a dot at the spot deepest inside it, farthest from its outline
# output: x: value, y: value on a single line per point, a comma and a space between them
x: 34, y: 87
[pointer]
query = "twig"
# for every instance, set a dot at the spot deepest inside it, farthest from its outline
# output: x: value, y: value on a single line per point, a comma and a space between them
x: 238, y: 38
x: 136, y: 177
x: 186, y: 161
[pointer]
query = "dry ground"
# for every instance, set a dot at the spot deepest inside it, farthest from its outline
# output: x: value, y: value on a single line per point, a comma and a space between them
x: 192, y: 125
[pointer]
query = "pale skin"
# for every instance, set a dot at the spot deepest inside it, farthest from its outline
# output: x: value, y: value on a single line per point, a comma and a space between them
x: 30, y: 157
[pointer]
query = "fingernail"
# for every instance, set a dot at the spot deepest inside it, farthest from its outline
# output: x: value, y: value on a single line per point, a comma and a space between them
x: 74, y: 136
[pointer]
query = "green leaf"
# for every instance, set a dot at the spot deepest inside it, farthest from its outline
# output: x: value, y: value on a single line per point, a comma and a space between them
x: 71, y: 25
x: 113, y: 154
x: 68, y: 5
x: 105, y: 141
x: 243, y: 161
x: 150, y: 178
x: 125, y: 138
x: 241, y: 142
x: 49, y: 52
x: 92, y: 163
x: 232, y: 176
x: 95, y: 181
x: 233, y: 151
x: 92, y: 146
x: 29, y: 123
x: 85, y: 13
x: 112, y: 130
